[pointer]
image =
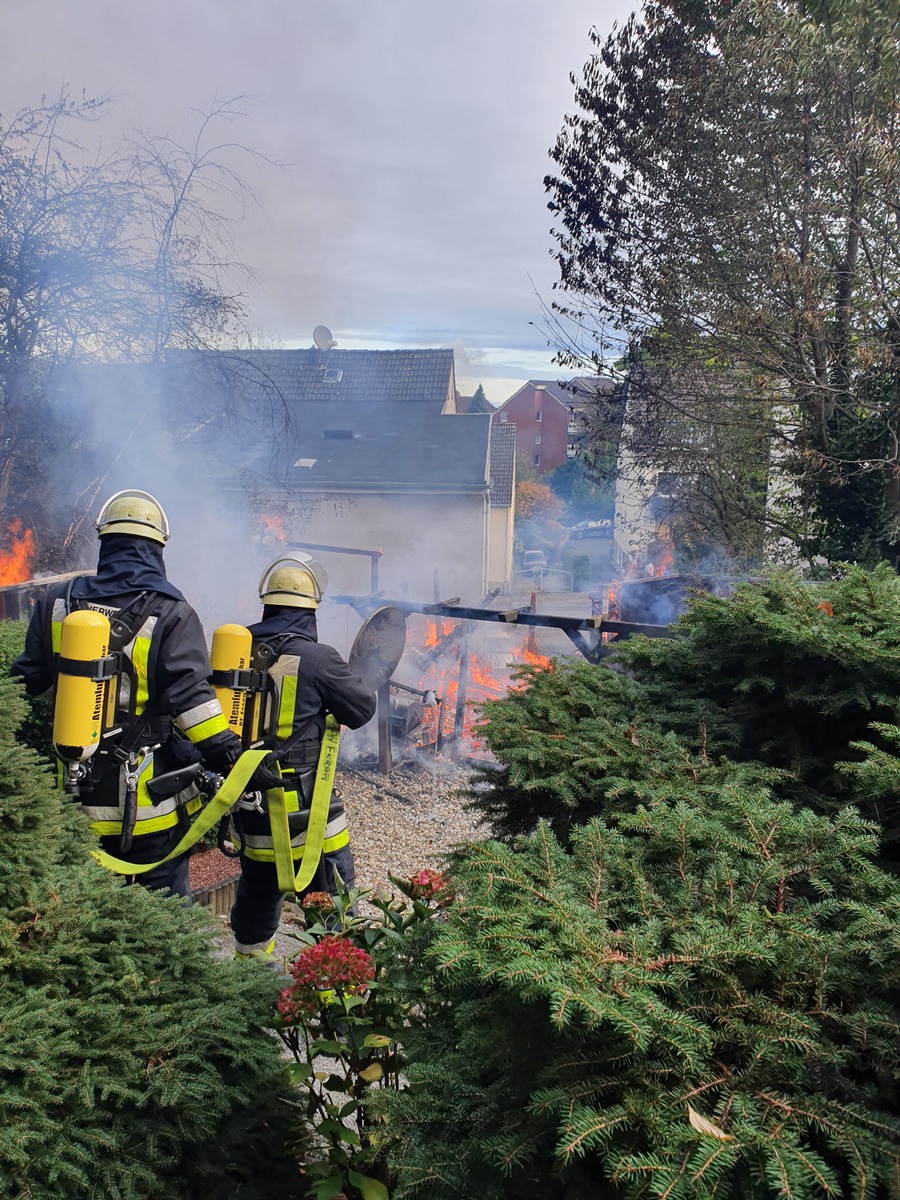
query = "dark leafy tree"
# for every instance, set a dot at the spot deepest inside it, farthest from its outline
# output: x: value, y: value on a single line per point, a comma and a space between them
x: 725, y: 199
x: 480, y: 402
x: 105, y: 257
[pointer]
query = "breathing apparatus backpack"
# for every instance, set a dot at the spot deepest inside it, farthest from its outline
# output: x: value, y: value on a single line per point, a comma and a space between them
x: 249, y: 698
x: 94, y: 711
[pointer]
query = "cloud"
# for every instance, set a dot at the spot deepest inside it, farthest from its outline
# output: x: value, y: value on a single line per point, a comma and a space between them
x: 411, y: 208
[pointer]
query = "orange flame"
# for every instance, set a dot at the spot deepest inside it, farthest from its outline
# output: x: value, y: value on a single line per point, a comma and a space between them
x: 487, y: 678
x: 15, y: 563
x: 274, y: 526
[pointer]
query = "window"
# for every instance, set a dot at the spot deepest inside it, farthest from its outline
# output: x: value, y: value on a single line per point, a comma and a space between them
x: 537, y: 415
x: 537, y: 460
x: 332, y: 375
x: 338, y: 434
x: 504, y: 417
x: 537, y: 439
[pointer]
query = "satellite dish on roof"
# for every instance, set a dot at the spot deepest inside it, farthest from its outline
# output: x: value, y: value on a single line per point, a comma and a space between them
x: 323, y: 338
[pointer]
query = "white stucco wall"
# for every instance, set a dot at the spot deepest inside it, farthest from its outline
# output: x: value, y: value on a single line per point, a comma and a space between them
x: 418, y: 534
x: 501, y: 545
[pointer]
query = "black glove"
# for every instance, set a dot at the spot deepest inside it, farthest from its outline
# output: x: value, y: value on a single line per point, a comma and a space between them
x: 221, y: 751
x: 265, y: 776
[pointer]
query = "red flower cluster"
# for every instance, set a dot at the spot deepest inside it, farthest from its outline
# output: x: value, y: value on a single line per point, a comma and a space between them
x: 431, y: 885
x: 321, y: 900
x: 333, y: 964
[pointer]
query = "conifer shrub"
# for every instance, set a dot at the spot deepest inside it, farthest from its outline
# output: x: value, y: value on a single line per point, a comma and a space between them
x: 135, y: 1064
x: 688, y: 1001
x: 675, y: 973
x: 782, y: 675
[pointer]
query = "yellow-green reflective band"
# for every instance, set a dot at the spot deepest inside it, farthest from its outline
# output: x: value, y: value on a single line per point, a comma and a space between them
x: 140, y: 653
x: 56, y: 636
x: 198, y: 733
x: 337, y: 842
x: 145, y: 824
x: 224, y: 799
x: 286, y: 706
x: 318, y: 818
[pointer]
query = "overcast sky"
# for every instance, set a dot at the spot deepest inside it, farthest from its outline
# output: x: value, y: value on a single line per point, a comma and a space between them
x: 414, y: 135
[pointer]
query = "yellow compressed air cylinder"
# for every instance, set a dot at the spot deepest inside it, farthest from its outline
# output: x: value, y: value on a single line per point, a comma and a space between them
x: 80, y: 701
x: 231, y: 649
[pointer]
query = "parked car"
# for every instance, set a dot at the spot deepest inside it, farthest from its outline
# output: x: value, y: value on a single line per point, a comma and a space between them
x: 533, y: 560
x: 592, y: 529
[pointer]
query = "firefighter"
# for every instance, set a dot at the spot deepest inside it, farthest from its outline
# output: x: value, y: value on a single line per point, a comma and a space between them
x: 309, y: 680
x: 167, y: 713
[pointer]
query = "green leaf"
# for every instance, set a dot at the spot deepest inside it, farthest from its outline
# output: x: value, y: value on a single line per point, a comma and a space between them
x: 372, y: 1073
x: 369, y: 1188
x: 328, y: 1188
x: 376, y: 1039
x: 350, y: 1136
x: 328, y: 1047
x: 299, y: 1073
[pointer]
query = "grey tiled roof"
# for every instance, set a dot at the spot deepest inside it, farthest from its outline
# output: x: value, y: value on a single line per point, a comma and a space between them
x: 362, y: 447
x: 503, y: 463
x: 338, y: 376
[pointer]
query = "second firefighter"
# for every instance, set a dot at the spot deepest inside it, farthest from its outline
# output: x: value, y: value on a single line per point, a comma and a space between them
x: 306, y: 681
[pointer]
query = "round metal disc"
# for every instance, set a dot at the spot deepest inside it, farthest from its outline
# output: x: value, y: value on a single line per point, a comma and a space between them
x: 378, y: 647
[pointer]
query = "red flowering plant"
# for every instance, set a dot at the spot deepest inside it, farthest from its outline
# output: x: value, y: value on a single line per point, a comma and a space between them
x: 348, y: 1003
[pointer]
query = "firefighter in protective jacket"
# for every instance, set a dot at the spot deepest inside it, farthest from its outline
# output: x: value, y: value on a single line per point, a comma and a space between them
x: 167, y: 713
x: 308, y: 680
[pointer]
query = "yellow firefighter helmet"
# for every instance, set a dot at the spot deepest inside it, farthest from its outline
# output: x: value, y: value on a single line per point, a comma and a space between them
x: 297, y: 581
x: 136, y: 513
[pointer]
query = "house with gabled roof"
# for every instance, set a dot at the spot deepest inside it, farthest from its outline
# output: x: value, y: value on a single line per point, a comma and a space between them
x: 372, y: 455
x: 549, y: 418
x: 357, y: 449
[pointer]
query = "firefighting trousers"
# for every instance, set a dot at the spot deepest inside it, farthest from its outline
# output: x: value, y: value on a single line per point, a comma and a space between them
x: 257, y: 907
x: 173, y: 877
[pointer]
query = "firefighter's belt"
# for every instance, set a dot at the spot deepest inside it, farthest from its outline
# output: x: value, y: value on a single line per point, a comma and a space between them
x: 208, y: 817
x: 301, y: 754
x: 318, y: 818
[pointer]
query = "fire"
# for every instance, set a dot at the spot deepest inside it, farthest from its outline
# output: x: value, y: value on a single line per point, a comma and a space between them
x: 663, y: 567
x: 274, y: 526
x: 15, y: 563
x: 446, y: 654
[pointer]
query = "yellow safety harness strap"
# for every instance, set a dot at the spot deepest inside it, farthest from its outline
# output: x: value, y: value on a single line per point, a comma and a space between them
x: 209, y: 816
x: 318, y: 817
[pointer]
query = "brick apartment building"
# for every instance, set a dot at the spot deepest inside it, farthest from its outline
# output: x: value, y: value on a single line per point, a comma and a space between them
x: 548, y: 416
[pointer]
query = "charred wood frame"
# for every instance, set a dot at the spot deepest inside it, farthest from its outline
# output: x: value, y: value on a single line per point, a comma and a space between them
x: 575, y: 628
x: 594, y: 637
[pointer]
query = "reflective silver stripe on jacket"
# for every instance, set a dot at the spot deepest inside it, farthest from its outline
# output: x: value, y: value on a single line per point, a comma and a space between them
x: 145, y: 812
x: 259, y: 841
x: 198, y: 714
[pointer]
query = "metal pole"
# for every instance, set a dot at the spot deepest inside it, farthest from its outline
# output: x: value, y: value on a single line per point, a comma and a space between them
x: 384, y: 729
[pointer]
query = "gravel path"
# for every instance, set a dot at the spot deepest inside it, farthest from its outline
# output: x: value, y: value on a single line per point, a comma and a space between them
x: 398, y: 824
x: 407, y: 821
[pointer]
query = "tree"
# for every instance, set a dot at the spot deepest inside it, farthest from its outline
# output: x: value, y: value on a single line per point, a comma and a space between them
x: 691, y: 999
x: 536, y: 501
x: 652, y: 977
x: 784, y: 676
x: 582, y: 496
x: 776, y: 265
x: 480, y: 402
x: 105, y: 257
